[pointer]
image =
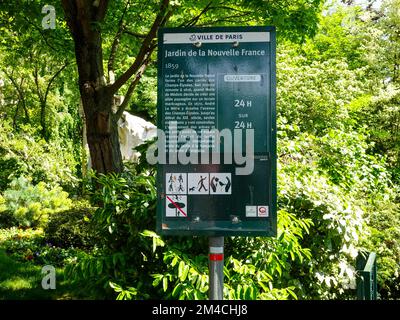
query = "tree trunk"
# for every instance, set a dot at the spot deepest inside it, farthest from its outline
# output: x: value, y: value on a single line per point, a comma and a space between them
x: 102, y: 137
x: 83, y: 17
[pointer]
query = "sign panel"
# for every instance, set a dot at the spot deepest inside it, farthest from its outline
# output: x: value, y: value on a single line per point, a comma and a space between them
x: 217, y: 139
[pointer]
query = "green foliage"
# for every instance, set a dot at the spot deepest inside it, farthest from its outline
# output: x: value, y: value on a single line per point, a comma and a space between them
x: 123, y: 255
x: 333, y: 181
x: 127, y: 202
x: 2, y: 204
x: 21, y: 154
x: 31, y: 205
x: 246, y: 282
x: 71, y: 228
x: 138, y: 264
x: 341, y: 36
x: 384, y: 239
x: 313, y: 94
x: 333, y: 239
x: 338, y: 168
x: 23, y: 253
x: 334, y: 126
x: 29, y: 245
x: 185, y: 277
x: 265, y: 274
x: 144, y: 100
x: 381, y: 114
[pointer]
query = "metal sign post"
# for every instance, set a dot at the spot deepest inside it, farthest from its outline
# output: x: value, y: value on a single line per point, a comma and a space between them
x: 216, y: 268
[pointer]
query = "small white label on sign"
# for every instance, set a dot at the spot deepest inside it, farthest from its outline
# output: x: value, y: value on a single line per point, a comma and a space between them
x: 262, y: 211
x: 242, y: 78
x: 251, y: 211
x: 198, y: 183
x: 175, y: 205
x: 175, y: 183
x: 216, y: 37
x: 220, y: 183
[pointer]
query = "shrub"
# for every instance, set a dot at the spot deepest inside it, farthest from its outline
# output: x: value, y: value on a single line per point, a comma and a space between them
x: 22, y: 154
x: 29, y: 245
x: 122, y: 254
x: 347, y: 193
x: 255, y: 268
x: 31, y: 205
x: 71, y: 228
x: 23, y: 245
x: 137, y: 263
x: 384, y: 239
x: 6, y: 218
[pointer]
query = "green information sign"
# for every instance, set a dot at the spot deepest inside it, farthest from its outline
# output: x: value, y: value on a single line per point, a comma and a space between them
x: 217, y: 139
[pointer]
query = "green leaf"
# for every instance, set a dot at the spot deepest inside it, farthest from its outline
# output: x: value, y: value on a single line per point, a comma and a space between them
x: 239, y: 290
x: 165, y: 284
x: 177, y: 290
x: 99, y: 264
x: 116, y: 287
x: 157, y: 279
x: 181, y: 268
x: 174, y: 261
x: 184, y: 273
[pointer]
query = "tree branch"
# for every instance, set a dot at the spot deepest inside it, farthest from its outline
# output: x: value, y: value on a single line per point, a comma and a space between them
x: 36, y: 79
x: 53, y: 78
x: 115, y: 44
x: 135, y: 34
x: 20, y: 95
x: 195, y: 19
x: 160, y: 20
x: 232, y: 19
x: 133, y: 84
x: 41, y: 33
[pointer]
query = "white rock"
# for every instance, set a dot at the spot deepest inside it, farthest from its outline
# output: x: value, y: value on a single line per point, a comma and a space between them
x: 134, y: 131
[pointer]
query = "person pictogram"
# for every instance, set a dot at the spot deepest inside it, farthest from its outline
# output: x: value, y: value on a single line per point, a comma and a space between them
x: 201, y: 183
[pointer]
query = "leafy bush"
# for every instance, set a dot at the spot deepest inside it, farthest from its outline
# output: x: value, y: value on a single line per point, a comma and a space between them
x: 123, y: 255
x: 255, y: 268
x: 31, y: 205
x: 23, y: 245
x: 381, y: 115
x: 333, y: 180
x: 8, y: 167
x: 71, y: 228
x: 6, y: 218
x: 21, y: 154
x: 138, y: 264
x: 384, y: 239
x: 321, y: 228
x: 30, y: 245
x: 313, y: 94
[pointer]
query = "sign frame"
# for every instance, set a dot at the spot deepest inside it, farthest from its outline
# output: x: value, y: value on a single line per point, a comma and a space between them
x: 253, y: 229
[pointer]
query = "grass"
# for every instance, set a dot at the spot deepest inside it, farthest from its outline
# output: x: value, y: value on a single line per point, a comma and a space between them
x: 22, y: 281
